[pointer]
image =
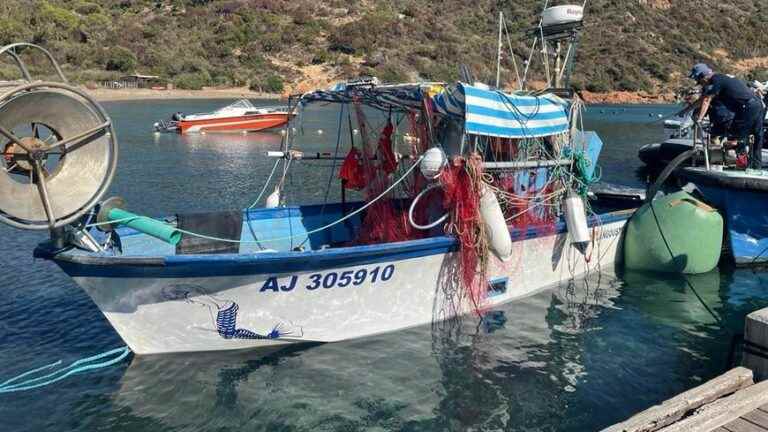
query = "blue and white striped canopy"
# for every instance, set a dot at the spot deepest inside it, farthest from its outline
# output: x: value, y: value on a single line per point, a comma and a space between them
x: 497, y: 114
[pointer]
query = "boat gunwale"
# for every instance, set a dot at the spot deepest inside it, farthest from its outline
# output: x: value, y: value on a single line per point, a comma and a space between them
x: 742, y: 182
x: 82, y: 263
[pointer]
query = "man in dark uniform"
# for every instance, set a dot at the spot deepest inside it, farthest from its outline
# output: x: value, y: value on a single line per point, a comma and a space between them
x: 720, y: 119
x: 740, y: 100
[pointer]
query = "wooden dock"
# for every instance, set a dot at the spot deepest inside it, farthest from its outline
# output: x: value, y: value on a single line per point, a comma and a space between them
x: 719, y: 403
x: 755, y: 421
x: 731, y: 402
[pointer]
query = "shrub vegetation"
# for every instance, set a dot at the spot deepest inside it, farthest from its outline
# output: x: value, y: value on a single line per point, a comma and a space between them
x: 626, y: 45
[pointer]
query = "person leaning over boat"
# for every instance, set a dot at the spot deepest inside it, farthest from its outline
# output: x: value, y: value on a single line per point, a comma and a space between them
x: 720, y: 119
x: 739, y: 99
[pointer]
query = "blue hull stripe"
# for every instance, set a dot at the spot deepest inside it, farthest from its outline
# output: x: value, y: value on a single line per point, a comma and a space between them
x: 182, y: 266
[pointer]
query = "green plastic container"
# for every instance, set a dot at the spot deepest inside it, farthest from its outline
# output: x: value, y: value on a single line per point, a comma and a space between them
x: 692, y: 229
x: 155, y: 228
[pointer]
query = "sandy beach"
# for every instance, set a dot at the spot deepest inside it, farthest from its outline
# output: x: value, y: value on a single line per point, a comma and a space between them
x: 106, y: 95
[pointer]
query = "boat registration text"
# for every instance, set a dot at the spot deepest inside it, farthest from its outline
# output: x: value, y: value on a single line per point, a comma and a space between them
x: 330, y: 279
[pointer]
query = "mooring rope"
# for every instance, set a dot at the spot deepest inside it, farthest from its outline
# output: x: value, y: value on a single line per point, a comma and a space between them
x: 290, y: 237
x: 685, y: 277
x: 78, y: 367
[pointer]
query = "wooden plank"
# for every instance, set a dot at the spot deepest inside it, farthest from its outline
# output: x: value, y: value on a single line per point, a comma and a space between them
x: 723, y: 411
x: 721, y: 429
x: 741, y: 425
x: 676, y: 408
x: 764, y: 408
x: 756, y: 343
x: 757, y: 417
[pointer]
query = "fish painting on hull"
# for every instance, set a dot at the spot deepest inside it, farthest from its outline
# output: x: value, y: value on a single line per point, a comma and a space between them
x: 225, y: 320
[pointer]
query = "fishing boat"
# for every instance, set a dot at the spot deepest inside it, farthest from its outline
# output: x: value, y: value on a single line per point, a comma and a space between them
x: 678, y: 132
x: 485, y: 203
x: 240, y: 116
x: 738, y: 195
x: 741, y: 197
x: 336, y: 271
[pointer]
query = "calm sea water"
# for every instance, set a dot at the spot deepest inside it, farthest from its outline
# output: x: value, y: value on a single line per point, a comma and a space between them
x: 574, y: 358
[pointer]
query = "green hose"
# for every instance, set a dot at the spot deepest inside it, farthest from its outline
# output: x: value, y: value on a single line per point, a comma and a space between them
x: 155, y: 228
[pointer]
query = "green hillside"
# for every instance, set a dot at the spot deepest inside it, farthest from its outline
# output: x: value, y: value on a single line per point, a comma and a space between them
x: 627, y: 44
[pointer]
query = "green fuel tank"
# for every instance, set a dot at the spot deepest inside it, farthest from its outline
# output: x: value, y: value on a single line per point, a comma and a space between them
x: 676, y: 233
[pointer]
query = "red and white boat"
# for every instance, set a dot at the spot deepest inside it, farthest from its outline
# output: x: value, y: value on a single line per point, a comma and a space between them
x: 241, y: 116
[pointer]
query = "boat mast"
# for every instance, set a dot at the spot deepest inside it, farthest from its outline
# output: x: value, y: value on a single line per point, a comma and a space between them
x: 498, y: 54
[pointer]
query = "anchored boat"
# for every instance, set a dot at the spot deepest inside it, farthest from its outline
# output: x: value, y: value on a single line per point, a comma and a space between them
x: 241, y: 116
x: 679, y: 139
x: 741, y: 197
x: 471, y: 197
x: 336, y: 271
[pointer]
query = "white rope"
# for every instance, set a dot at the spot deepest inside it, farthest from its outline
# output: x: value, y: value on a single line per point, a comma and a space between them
x: 315, y: 231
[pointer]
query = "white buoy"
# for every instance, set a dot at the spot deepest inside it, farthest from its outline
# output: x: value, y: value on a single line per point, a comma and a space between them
x: 273, y: 200
x: 496, y: 230
x: 433, y: 162
x: 576, y: 221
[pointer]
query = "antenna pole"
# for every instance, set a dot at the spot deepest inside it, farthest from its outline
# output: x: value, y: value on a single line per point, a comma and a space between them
x: 498, y: 55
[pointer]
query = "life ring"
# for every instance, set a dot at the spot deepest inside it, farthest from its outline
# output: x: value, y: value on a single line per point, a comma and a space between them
x: 413, y: 206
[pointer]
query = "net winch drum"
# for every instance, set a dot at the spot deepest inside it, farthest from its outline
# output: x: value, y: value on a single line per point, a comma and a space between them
x: 559, y: 15
x: 59, y: 152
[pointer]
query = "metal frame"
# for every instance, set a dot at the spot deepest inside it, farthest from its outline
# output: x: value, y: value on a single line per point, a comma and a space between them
x: 11, y: 50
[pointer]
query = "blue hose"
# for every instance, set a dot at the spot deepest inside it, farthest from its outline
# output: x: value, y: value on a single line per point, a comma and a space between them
x: 80, y: 366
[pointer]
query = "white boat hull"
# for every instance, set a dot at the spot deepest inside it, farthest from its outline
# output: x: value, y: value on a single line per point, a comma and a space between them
x: 157, y: 315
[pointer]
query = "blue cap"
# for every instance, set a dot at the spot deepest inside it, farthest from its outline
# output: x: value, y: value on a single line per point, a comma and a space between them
x: 699, y: 71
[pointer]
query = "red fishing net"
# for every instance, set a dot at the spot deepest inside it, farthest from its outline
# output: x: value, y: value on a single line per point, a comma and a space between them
x: 387, y: 155
x: 525, y: 197
x: 461, y: 183
x: 386, y: 220
x: 352, y: 170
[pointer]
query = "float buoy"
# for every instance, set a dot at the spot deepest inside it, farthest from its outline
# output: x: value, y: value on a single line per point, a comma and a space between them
x: 576, y: 222
x: 497, y: 232
x: 432, y: 163
x: 273, y: 200
x: 676, y: 233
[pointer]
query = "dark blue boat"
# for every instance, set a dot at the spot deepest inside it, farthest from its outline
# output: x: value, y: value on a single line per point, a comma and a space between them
x: 742, y: 198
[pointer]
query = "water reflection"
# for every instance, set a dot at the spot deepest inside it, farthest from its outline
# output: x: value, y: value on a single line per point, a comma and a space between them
x: 578, y: 357
x: 454, y: 375
x: 685, y: 301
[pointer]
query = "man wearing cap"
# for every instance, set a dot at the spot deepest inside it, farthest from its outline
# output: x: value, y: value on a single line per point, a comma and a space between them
x: 737, y: 98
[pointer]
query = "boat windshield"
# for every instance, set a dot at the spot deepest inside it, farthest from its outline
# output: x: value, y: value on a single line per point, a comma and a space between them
x: 242, y: 104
